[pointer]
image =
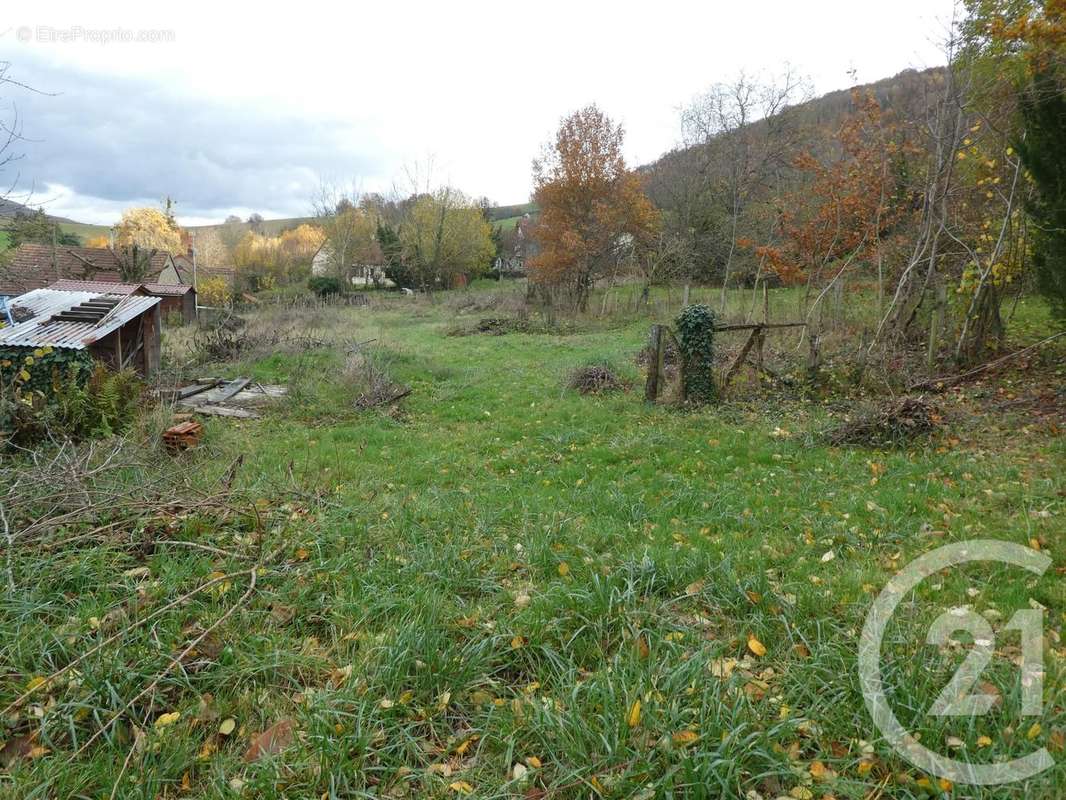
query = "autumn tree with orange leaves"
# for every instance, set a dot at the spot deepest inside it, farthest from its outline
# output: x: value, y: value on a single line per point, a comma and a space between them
x: 848, y: 202
x: 593, y: 210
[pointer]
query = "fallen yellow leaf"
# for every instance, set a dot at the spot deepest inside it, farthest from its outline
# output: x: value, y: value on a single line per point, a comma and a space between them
x: 167, y: 719
x: 1034, y: 731
x: 756, y: 647
x: 633, y: 717
x: 685, y: 738
x: 564, y: 569
x: 461, y: 787
x: 227, y: 726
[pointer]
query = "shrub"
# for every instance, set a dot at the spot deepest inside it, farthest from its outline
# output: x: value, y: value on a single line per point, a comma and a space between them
x: 695, y: 338
x: 369, y: 378
x: 215, y: 292
x: 64, y: 391
x: 325, y: 286
x: 104, y: 405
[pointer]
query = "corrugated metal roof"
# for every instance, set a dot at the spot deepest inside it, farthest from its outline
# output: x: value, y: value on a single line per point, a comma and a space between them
x: 43, y: 330
x: 40, y: 302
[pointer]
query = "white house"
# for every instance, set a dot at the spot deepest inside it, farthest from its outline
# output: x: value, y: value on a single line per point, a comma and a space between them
x: 324, y: 263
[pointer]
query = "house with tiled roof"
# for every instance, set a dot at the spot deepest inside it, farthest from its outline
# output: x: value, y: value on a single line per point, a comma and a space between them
x: 34, y: 266
x: 200, y: 272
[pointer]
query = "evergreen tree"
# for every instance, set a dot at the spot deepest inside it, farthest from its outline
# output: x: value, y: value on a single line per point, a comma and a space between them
x: 35, y: 226
x: 392, y: 251
x: 1043, y: 112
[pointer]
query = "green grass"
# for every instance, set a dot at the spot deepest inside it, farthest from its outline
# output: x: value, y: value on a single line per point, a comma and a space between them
x: 3, y: 240
x: 507, y: 223
x: 507, y: 567
x: 84, y: 230
x: 270, y: 227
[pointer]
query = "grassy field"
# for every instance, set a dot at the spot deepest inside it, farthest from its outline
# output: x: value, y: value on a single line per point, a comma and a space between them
x: 84, y: 230
x: 507, y: 589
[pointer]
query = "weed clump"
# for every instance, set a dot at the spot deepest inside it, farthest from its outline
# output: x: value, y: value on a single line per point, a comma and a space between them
x: 594, y: 379
x: 891, y: 424
x: 371, y: 382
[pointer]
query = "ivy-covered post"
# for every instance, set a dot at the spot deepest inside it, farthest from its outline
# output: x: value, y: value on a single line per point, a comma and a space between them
x: 695, y: 339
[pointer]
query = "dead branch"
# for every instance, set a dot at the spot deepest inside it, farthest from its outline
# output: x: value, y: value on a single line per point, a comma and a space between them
x: 943, y: 383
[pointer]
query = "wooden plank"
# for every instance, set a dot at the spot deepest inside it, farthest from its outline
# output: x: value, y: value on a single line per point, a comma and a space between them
x: 655, y: 361
x: 741, y: 356
x: 231, y: 389
x: 763, y: 325
x: 189, y: 391
x: 225, y: 411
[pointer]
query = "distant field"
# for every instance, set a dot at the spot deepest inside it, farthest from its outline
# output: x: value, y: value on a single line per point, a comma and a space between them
x: 271, y: 227
x: 504, y: 216
x: 84, y: 229
x: 507, y: 224
x: 500, y: 214
x: 3, y: 240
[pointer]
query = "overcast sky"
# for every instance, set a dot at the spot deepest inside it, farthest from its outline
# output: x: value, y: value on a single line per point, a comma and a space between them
x: 236, y: 110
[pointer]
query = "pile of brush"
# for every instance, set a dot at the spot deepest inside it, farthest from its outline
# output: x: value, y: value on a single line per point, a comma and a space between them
x: 594, y: 379
x: 891, y: 424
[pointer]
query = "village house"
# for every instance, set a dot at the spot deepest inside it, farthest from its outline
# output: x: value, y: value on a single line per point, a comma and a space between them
x: 35, y: 266
x: 325, y: 263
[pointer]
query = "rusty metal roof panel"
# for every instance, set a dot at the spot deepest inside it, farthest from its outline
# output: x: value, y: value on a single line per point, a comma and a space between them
x: 43, y: 330
x: 48, y: 301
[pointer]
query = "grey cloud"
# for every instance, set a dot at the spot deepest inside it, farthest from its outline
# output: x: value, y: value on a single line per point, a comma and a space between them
x: 121, y: 139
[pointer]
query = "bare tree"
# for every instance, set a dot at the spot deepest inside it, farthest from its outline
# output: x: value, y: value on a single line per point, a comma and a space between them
x: 669, y: 256
x: 741, y: 139
x: 10, y: 130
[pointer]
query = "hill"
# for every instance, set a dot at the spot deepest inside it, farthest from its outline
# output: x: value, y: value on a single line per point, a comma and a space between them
x: 906, y: 94
x: 9, y: 208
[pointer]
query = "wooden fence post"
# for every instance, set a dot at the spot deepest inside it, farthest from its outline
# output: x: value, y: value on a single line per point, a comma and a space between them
x: 813, y: 357
x: 655, y: 364
x: 935, y: 325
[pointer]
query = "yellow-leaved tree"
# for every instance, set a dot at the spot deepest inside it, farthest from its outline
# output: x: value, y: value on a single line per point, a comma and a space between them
x: 446, y: 236
x: 215, y: 292
x: 141, y: 234
x: 298, y: 246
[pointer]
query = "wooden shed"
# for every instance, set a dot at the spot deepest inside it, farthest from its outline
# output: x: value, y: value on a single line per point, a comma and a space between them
x: 122, y: 329
x: 177, y: 299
